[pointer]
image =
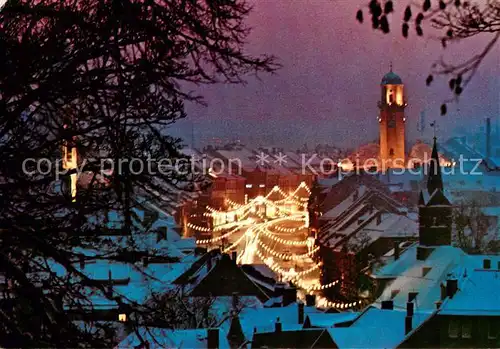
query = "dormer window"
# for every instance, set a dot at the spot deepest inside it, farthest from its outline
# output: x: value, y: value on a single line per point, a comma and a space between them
x: 425, y: 271
x: 394, y: 293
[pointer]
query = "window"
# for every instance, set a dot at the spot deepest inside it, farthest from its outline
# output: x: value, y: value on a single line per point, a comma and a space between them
x: 122, y: 317
x: 466, y: 329
x: 69, y: 155
x: 492, y: 329
x: 248, y: 186
x: 391, y: 152
x: 425, y: 271
x: 262, y: 185
x: 453, y: 329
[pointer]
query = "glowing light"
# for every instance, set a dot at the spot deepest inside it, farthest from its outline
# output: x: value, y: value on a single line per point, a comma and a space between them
x: 70, y: 162
x: 219, y: 238
x: 286, y: 256
x: 325, y: 303
x: 268, y: 222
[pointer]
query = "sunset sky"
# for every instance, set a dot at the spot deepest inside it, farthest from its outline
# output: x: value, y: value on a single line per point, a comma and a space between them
x: 328, y: 88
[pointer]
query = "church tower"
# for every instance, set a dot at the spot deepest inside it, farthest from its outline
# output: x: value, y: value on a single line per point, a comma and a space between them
x: 434, y: 209
x: 392, y: 122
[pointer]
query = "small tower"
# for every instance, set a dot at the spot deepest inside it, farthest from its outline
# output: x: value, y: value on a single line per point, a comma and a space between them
x: 435, y: 210
x: 392, y: 122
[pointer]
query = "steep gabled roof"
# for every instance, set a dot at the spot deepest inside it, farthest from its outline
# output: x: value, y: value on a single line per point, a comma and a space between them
x: 217, y: 275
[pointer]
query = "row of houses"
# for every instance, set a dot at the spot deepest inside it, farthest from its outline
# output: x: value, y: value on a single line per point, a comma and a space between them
x: 429, y: 293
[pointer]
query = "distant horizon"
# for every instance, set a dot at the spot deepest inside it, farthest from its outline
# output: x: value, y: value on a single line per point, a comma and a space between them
x: 184, y: 132
x: 329, y: 83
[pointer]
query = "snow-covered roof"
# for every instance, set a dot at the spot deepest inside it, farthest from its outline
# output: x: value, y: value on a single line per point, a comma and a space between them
x: 359, y: 210
x: 169, y: 338
x: 330, y: 319
x: 421, y: 276
x: 376, y: 328
x: 425, y: 277
x: 262, y: 320
x: 345, y: 204
x: 136, y: 283
x: 477, y: 288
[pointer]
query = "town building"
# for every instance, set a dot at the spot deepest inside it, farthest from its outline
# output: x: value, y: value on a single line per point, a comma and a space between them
x: 392, y: 121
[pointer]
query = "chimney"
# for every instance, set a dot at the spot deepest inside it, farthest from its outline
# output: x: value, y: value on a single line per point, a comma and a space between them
x: 279, y: 289
x: 408, y: 324
x: 409, y: 309
x: 234, y: 256
x: 412, y: 296
x: 278, y: 326
x: 236, y: 300
x: 488, y: 138
x: 300, y: 307
x: 213, y: 338
x: 438, y: 305
x: 310, y: 300
x: 486, y: 263
x: 387, y: 305
x: 443, y: 292
x: 451, y: 287
x: 396, y: 250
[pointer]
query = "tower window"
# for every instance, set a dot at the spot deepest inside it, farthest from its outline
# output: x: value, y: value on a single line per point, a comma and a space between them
x: 391, y: 152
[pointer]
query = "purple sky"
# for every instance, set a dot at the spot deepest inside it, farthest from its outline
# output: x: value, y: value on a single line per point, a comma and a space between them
x: 328, y: 88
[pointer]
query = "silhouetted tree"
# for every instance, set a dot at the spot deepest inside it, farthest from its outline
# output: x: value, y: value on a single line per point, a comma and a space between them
x: 106, y: 77
x: 455, y: 20
x: 474, y: 232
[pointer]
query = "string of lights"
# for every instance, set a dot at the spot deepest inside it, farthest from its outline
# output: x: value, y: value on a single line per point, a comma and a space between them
x: 289, y: 273
x: 287, y: 256
x: 220, y: 227
x: 219, y: 238
x: 323, y: 302
x: 270, y: 235
x: 234, y: 244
